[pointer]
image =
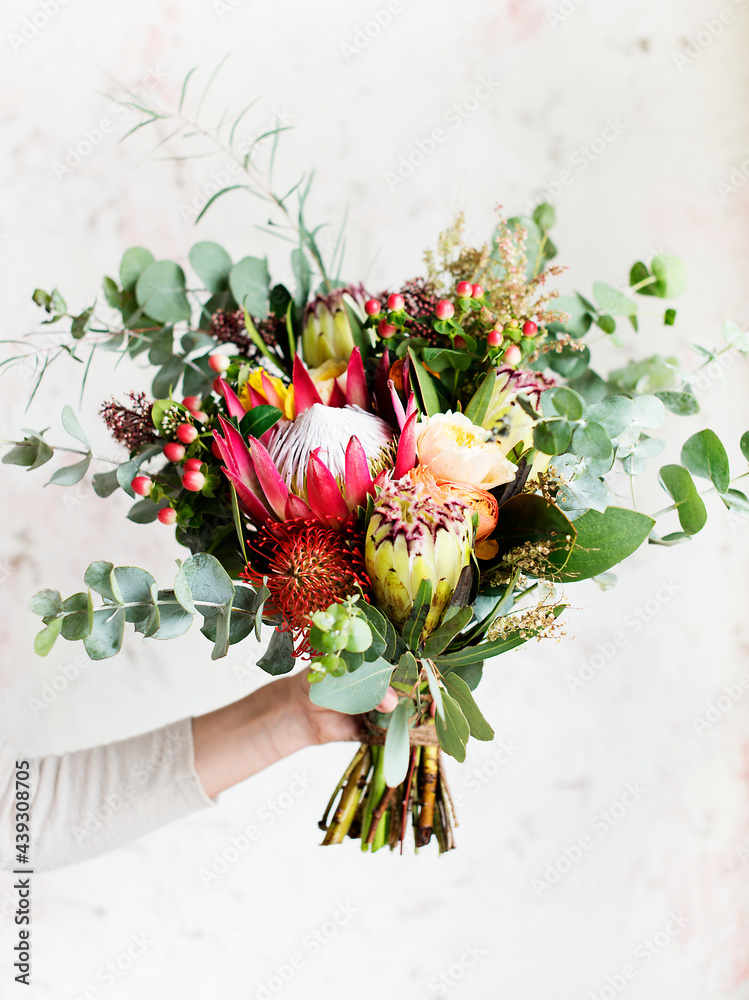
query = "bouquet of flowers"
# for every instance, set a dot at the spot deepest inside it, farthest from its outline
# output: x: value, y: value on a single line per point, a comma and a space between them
x: 400, y: 484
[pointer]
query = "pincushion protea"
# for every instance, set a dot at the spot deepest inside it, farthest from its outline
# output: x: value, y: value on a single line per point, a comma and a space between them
x: 413, y: 536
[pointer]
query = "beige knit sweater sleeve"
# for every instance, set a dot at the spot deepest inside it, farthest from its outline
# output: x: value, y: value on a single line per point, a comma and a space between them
x: 85, y: 803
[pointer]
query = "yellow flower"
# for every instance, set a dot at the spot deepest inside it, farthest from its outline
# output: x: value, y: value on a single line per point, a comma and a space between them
x: 271, y: 389
x: 454, y: 448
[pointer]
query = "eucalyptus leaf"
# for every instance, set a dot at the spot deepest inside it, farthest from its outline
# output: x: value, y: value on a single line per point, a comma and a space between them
x: 107, y: 633
x: 354, y: 693
x: 684, y: 404
x: 45, y: 640
x: 72, y: 426
x: 212, y: 264
x: 249, y: 281
x: 396, y: 753
x: 160, y: 291
x: 704, y: 455
x: 690, y: 506
x: 69, y: 475
x: 279, y: 656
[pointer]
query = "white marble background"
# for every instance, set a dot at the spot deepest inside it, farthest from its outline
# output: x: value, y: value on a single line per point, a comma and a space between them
x: 675, y: 79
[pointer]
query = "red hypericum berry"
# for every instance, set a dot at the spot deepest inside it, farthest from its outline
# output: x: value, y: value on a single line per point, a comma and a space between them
x: 219, y: 363
x: 193, y: 481
x: 444, y: 309
x: 167, y: 515
x: 174, y: 451
x: 465, y: 289
x: 529, y: 328
x: 192, y: 465
x: 191, y: 403
x: 373, y: 307
x: 494, y: 338
x: 216, y: 451
x: 396, y: 302
x: 460, y: 342
x: 477, y: 291
x: 142, y: 485
x: 200, y: 415
x: 512, y: 355
x: 186, y: 433
x: 386, y: 330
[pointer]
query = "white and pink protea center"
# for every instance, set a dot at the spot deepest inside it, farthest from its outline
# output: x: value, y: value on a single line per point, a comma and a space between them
x: 326, y: 432
x: 456, y: 449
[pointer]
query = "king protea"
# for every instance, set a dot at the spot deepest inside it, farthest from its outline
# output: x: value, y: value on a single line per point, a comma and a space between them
x: 413, y: 536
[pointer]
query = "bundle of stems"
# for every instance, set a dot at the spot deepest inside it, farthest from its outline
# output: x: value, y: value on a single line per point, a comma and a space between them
x: 377, y: 814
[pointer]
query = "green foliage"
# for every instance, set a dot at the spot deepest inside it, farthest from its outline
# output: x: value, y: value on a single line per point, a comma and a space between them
x: 454, y: 731
x: 160, y: 292
x: 130, y: 595
x: 603, y: 540
x: 249, y: 281
x: 690, y: 506
x: 396, y: 753
x: 704, y: 455
x: 357, y: 692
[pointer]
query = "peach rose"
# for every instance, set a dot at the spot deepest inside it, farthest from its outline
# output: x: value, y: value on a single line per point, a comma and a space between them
x: 457, y: 450
x: 480, y: 501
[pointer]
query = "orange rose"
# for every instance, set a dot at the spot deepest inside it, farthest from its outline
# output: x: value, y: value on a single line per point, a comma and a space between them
x: 482, y: 502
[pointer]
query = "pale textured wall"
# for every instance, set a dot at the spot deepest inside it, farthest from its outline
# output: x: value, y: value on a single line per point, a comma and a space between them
x: 682, y: 846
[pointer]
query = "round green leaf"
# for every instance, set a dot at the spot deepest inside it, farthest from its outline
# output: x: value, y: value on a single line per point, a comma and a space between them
x: 591, y: 441
x: 690, y: 506
x: 704, y: 455
x: 553, y: 437
x: 161, y: 292
x: 212, y: 264
x: 134, y: 261
x: 744, y: 445
x: 682, y: 403
x: 249, y: 281
x: 671, y: 275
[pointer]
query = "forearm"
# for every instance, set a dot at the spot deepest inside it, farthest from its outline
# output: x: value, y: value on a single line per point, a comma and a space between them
x: 85, y: 803
x: 237, y: 741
